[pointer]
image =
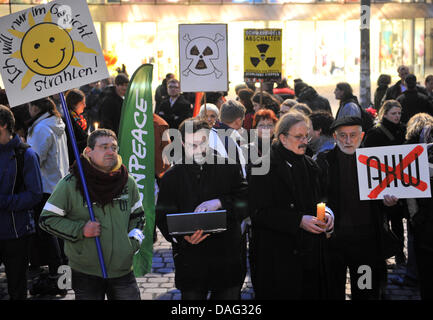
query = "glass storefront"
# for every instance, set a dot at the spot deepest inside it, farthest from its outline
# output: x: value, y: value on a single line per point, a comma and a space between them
x: 318, y: 51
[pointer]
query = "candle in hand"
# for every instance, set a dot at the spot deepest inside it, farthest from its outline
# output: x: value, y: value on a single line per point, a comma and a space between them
x: 96, y: 125
x: 321, y: 211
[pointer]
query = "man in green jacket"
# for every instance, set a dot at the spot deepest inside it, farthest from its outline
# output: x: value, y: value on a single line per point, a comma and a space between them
x: 119, y: 221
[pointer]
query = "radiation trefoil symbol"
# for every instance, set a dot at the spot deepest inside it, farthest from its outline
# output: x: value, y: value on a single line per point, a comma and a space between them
x: 263, y: 48
x: 201, y: 52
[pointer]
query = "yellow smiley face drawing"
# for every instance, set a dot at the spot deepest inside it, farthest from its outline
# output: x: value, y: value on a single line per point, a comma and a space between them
x: 47, y: 49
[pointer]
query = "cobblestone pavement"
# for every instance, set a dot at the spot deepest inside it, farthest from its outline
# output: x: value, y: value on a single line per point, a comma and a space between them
x: 159, y: 284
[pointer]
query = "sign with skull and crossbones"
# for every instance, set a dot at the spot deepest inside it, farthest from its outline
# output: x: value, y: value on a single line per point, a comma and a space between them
x: 203, y: 57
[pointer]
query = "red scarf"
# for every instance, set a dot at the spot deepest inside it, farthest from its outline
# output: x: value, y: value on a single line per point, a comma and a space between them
x: 80, y: 120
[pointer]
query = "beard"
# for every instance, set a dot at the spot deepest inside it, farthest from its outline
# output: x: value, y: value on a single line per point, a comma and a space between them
x: 200, y: 158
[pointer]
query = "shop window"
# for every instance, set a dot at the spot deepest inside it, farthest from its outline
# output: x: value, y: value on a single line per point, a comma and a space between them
x: 205, y: 1
x: 138, y: 1
x: 291, y: 1
x: 172, y: 1
x: 428, y: 45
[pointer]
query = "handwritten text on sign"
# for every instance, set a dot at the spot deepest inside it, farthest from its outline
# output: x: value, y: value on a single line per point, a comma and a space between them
x: 401, y: 171
x: 48, y: 49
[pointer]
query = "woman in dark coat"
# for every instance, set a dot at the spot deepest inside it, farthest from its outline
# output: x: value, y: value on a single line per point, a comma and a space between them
x: 76, y: 102
x: 388, y: 132
x: 383, y: 83
x: 289, y: 242
x: 420, y: 130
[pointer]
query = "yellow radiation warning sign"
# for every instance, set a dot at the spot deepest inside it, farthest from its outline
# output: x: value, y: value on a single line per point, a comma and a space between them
x: 262, y: 54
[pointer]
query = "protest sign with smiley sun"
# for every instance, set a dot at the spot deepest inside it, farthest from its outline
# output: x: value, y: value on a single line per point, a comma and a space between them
x: 49, y: 49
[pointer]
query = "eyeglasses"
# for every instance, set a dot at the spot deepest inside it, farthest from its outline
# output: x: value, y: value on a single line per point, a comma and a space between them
x: 105, y: 147
x: 344, y: 136
x: 301, y: 137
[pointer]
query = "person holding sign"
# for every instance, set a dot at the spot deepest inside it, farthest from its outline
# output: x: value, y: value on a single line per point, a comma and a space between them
x: 390, y: 131
x: 119, y: 221
x: 288, y: 241
x: 359, y: 243
x: 204, y: 262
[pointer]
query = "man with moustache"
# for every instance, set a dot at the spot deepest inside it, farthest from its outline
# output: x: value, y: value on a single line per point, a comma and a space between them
x: 204, y: 262
x: 359, y: 236
x: 289, y: 244
x: 119, y: 221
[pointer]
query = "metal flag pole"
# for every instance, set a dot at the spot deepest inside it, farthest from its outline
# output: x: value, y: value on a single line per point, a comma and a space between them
x: 205, y: 108
x: 83, y: 181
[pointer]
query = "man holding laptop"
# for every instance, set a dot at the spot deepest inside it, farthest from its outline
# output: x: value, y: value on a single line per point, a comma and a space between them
x: 210, y: 259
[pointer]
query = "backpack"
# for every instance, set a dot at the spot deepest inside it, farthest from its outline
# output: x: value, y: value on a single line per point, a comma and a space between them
x: 19, y: 156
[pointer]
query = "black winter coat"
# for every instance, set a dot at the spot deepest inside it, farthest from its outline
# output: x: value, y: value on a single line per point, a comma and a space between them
x: 281, y: 250
x: 80, y: 139
x: 378, y: 96
x: 174, y: 115
x: 217, y: 262
x: 388, y: 245
x: 393, y: 92
x: 413, y: 102
x: 378, y: 135
x: 310, y: 97
x: 111, y: 110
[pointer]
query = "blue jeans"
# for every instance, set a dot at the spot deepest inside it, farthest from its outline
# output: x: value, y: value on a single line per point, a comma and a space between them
x: 88, y: 287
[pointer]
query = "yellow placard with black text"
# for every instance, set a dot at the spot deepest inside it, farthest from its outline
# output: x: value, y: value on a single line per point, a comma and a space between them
x: 262, y: 54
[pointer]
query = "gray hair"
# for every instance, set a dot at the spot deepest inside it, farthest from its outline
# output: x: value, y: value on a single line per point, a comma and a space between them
x: 209, y: 106
x: 287, y: 121
x: 232, y: 110
x: 289, y: 102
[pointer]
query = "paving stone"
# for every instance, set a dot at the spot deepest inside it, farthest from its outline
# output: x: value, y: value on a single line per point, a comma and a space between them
x: 158, y: 280
x: 157, y: 290
x: 159, y: 284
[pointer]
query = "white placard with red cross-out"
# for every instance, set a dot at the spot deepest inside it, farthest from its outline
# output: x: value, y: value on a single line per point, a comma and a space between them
x: 400, y: 170
x: 203, y: 57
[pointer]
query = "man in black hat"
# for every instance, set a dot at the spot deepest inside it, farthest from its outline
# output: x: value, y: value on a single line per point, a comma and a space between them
x: 412, y: 101
x: 357, y: 243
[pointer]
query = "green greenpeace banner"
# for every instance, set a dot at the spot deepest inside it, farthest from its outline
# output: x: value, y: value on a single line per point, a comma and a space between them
x: 136, y: 141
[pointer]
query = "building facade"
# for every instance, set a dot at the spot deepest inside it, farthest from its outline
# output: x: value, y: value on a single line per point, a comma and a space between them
x: 321, y: 39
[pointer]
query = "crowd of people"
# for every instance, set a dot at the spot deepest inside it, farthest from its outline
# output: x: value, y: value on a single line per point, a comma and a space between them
x: 277, y: 153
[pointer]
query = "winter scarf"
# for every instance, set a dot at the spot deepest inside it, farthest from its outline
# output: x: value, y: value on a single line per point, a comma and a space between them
x: 103, y: 187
